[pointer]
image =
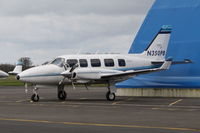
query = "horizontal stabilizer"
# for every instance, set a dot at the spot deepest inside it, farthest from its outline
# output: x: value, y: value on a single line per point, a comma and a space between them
x: 185, y: 61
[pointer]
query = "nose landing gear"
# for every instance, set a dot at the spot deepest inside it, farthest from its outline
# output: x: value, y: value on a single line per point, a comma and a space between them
x: 35, y: 97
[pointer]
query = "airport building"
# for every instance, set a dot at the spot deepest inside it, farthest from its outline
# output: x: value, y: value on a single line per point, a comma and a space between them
x: 182, y: 80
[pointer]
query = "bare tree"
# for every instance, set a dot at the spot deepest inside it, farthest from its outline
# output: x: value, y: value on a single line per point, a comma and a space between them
x: 26, y: 61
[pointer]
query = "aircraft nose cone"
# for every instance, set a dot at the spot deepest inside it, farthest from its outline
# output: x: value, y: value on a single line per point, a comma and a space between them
x: 24, y: 76
x: 18, y: 77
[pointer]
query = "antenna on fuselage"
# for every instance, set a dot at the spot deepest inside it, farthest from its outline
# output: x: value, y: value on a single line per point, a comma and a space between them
x: 96, y: 52
x: 79, y: 51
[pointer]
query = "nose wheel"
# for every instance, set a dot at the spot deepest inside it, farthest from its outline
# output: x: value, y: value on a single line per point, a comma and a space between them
x: 35, y: 97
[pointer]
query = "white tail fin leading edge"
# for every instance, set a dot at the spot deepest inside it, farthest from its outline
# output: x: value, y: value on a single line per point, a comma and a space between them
x: 158, y: 47
x: 17, y: 69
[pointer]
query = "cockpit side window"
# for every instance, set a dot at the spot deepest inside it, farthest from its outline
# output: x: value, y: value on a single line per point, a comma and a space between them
x: 72, y: 62
x: 58, y: 61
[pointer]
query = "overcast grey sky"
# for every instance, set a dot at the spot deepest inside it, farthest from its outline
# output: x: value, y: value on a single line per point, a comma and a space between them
x: 44, y: 29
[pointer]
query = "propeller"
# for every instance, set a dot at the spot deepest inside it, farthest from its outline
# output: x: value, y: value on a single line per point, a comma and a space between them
x: 74, y: 88
x: 69, y: 74
x: 73, y: 68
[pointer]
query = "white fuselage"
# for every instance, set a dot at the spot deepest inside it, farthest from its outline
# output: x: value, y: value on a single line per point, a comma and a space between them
x: 89, y: 69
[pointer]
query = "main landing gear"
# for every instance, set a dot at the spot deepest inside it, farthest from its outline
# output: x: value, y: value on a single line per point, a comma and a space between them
x: 110, y: 95
x: 62, y: 95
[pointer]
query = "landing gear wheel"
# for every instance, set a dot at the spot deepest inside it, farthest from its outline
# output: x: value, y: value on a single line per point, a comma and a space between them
x: 35, y: 98
x: 62, y: 95
x: 110, y: 96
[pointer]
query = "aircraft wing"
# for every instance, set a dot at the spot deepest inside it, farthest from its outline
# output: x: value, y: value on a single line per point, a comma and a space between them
x: 127, y: 74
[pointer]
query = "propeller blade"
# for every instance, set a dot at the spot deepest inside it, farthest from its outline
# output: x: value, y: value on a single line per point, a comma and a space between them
x: 62, y: 81
x: 74, y: 88
x: 73, y: 68
x: 65, y: 67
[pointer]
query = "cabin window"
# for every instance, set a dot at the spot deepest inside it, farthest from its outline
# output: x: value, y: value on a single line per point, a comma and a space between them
x: 109, y: 62
x: 58, y: 61
x: 121, y: 62
x: 83, y: 63
x: 95, y: 62
x: 72, y: 62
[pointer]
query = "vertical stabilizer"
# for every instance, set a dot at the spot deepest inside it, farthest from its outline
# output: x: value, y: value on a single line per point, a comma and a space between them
x: 158, y: 47
x: 17, y: 69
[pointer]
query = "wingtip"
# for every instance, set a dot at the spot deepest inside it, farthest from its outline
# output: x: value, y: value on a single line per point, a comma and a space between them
x: 188, y: 61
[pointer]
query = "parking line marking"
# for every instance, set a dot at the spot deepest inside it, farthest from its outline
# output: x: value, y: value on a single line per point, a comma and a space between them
x: 99, y: 124
x: 169, y: 109
x: 129, y: 99
x: 175, y: 102
x: 18, y: 101
x: 83, y: 98
x: 114, y: 103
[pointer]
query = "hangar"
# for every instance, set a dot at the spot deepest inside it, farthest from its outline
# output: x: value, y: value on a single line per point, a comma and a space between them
x: 181, y: 80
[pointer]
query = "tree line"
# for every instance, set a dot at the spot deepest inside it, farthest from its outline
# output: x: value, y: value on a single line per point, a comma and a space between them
x: 25, y: 61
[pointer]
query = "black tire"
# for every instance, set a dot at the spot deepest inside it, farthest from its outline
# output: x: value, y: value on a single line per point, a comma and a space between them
x: 110, y: 96
x: 35, y: 98
x: 62, y: 95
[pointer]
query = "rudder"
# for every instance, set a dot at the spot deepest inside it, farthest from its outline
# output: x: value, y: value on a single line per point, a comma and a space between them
x: 158, y: 47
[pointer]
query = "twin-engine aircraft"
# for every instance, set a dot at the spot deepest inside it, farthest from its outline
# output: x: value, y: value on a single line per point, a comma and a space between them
x: 99, y: 68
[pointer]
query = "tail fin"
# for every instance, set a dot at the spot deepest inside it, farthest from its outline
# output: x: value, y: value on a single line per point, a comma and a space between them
x: 158, y: 47
x: 17, y: 69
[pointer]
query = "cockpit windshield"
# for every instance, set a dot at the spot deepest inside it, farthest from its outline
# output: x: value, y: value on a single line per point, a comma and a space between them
x: 58, y: 61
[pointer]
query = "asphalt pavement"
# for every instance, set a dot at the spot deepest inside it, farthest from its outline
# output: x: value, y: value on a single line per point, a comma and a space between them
x: 87, y: 111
